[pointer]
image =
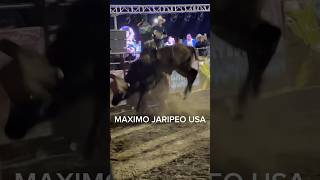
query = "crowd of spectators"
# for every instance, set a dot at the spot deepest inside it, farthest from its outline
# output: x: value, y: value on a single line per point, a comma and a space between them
x: 201, y: 43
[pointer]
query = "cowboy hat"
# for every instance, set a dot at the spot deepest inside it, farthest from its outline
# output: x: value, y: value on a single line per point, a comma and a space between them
x: 161, y: 19
x: 199, y: 36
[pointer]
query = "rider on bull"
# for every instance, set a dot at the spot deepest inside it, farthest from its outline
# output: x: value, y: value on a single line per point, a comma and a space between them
x: 152, y: 36
x: 159, y: 31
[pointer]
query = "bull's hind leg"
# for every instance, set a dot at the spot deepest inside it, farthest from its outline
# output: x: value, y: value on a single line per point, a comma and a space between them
x: 264, y: 41
x: 245, y: 89
x: 191, y: 76
x: 267, y: 38
x: 140, y: 105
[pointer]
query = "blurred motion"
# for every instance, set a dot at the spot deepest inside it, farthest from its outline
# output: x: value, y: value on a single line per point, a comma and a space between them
x: 51, y: 68
x: 279, y: 131
x: 245, y: 29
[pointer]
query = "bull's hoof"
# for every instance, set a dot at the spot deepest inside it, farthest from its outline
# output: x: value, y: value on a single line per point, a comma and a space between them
x: 185, y: 97
x: 187, y: 94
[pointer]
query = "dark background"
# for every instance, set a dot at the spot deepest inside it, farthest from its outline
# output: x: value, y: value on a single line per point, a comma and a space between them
x: 179, y: 28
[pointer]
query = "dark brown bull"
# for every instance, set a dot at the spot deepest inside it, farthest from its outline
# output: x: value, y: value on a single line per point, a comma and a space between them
x: 145, y: 74
x: 240, y: 24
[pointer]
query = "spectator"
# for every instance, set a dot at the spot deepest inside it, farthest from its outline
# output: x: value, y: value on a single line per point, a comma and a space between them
x: 202, y: 43
x: 189, y: 41
x: 171, y: 41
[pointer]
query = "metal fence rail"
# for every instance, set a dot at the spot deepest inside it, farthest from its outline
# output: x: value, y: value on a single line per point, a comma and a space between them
x: 207, y: 48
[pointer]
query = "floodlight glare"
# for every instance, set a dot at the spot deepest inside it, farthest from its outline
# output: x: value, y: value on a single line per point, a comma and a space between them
x: 155, y: 20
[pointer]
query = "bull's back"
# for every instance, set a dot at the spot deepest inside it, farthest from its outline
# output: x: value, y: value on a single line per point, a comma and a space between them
x: 174, y: 55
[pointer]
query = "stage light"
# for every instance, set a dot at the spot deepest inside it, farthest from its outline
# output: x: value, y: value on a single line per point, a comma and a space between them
x: 155, y: 20
x: 200, y: 17
x: 174, y: 17
x: 187, y: 17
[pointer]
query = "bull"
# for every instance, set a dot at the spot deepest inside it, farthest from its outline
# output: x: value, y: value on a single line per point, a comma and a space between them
x: 153, y: 66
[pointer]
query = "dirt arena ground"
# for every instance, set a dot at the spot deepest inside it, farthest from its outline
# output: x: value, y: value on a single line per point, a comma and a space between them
x: 165, y: 151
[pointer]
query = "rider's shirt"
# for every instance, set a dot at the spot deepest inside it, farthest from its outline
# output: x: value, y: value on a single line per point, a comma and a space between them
x: 160, y: 29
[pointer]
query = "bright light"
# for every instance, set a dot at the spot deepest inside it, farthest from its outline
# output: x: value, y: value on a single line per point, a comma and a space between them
x: 155, y: 20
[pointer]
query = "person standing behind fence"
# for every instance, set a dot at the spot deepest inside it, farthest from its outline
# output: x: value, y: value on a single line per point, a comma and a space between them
x: 201, y: 45
x: 171, y: 41
x: 189, y: 41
